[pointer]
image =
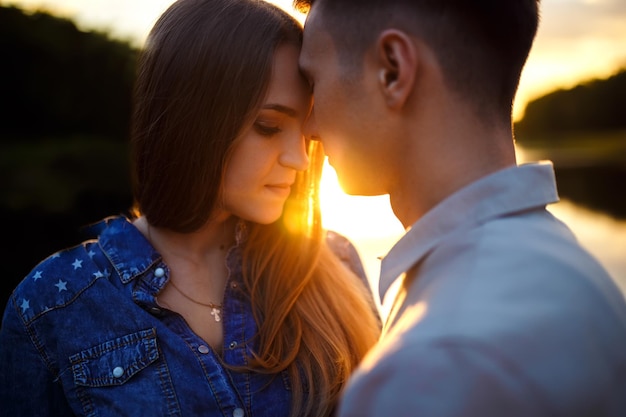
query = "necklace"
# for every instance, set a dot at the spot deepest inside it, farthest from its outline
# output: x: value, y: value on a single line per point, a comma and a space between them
x: 216, y: 309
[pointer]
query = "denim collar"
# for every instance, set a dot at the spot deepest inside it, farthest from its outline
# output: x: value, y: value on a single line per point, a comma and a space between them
x: 132, y: 255
x: 126, y: 247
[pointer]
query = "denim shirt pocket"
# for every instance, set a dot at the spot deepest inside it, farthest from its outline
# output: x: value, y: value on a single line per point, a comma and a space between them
x: 116, y: 361
x: 126, y: 371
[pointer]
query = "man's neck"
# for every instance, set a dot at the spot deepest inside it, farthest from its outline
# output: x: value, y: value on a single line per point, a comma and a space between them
x: 459, y: 156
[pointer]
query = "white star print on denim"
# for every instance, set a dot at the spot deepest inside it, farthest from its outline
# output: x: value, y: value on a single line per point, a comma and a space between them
x: 88, y: 333
x: 61, y: 285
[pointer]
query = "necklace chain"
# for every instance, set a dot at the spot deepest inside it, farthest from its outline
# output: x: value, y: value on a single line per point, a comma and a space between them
x: 209, y: 304
x: 216, y: 309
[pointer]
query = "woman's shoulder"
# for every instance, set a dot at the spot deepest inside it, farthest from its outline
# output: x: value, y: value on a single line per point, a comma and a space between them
x: 347, y: 253
x: 339, y: 244
x: 57, y: 281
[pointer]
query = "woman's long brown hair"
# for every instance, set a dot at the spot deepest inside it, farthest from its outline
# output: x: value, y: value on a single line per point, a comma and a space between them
x: 315, y: 317
x: 202, y: 77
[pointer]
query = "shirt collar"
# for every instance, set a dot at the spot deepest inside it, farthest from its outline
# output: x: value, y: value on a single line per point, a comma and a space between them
x: 131, y: 254
x: 128, y: 250
x: 507, y: 191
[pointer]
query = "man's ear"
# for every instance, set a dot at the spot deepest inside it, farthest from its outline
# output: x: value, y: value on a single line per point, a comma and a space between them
x: 397, y: 66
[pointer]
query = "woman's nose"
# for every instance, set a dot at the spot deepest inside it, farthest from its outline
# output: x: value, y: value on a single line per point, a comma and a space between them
x: 295, y: 154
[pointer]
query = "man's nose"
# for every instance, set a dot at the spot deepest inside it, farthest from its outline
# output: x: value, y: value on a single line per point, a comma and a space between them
x: 309, y: 130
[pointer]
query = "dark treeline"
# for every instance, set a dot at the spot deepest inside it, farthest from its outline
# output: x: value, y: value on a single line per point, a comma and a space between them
x: 583, y: 131
x: 65, y: 106
x: 594, y: 106
x: 58, y: 80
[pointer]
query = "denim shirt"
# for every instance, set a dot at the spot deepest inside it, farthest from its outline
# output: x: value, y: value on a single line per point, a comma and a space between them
x: 83, y: 335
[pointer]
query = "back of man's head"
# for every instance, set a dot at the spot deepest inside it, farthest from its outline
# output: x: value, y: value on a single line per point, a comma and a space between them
x: 481, y: 45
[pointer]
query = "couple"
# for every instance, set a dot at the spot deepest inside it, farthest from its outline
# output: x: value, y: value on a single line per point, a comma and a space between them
x: 222, y: 296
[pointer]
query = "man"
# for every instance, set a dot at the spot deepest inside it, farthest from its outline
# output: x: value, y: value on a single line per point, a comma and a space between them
x: 500, y: 312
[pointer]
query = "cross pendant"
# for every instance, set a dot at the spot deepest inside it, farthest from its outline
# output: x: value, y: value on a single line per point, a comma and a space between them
x: 215, y: 312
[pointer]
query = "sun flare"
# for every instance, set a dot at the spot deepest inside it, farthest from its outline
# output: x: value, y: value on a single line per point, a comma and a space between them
x: 355, y: 216
x: 368, y: 222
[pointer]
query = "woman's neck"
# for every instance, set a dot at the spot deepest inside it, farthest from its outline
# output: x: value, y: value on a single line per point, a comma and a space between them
x: 196, y: 254
x: 198, y: 273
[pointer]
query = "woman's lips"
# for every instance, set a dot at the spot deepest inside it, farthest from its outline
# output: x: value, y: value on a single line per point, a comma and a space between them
x: 280, y: 189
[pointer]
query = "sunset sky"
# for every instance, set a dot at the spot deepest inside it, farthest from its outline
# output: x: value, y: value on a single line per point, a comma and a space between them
x: 578, y: 39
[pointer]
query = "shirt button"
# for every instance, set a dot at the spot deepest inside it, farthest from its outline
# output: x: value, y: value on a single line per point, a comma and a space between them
x: 159, y: 272
x: 118, y: 371
x: 203, y: 349
x: 233, y: 344
x: 238, y: 412
x: 155, y: 310
x: 233, y: 285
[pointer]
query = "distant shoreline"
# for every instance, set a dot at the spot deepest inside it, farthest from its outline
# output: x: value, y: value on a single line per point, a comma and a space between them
x: 590, y: 167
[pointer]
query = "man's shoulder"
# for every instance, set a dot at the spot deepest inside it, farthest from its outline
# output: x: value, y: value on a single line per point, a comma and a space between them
x: 531, y: 249
x: 490, y: 358
x: 526, y: 313
x: 435, y: 377
x: 489, y: 282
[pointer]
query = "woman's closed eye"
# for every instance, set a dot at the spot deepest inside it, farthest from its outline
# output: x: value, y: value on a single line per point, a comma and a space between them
x: 265, y: 129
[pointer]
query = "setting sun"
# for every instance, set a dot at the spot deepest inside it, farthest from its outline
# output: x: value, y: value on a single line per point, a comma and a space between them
x: 368, y: 222
x: 355, y: 216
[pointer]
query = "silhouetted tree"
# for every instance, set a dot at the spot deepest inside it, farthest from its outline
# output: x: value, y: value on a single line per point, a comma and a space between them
x: 597, y: 105
x: 590, y: 112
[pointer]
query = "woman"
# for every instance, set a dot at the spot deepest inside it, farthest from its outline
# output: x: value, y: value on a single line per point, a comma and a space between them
x: 222, y: 296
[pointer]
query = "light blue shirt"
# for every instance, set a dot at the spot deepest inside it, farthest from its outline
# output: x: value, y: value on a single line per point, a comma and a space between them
x: 501, y: 313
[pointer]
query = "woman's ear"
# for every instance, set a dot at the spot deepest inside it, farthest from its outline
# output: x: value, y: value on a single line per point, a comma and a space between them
x: 397, y: 66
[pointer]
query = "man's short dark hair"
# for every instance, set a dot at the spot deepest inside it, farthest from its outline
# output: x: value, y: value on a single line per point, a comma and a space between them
x: 482, y: 45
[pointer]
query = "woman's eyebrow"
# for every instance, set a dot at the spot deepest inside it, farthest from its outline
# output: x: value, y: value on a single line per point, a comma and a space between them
x: 282, y: 109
